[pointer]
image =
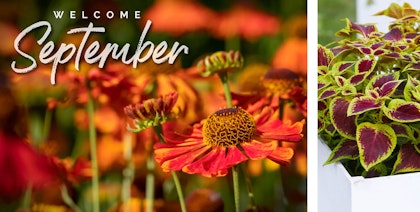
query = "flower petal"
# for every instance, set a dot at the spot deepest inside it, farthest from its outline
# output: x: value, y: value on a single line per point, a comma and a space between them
x: 281, y: 155
x: 212, y: 164
x: 283, y: 131
x: 175, y: 157
x: 258, y: 150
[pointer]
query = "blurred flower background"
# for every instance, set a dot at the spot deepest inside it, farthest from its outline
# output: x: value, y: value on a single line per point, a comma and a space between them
x: 46, y: 148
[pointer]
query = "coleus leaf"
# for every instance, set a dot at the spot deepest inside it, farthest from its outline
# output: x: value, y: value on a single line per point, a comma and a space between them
x: 344, y: 124
x: 402, y: 111
x: 346, y: 149
x: 362, y: 104
x: 393, y: 35
x: 385, y: 85
x: 341, y: 81
x: 389, y: 88
x: 412, y: 89
x: 357, y: 78
x: 365, y: 66
x: 328, y: 92
x: 412, y: 67
x: 401, y: 130
x: 324, y: 56
x: 351, y: 27
x: 323, y: 81
x: 375, y: 142
x: 379, y: 80
x: 348, y: 89
x: 408, y: 160
x: 341, y: 67
x: 396, y: 11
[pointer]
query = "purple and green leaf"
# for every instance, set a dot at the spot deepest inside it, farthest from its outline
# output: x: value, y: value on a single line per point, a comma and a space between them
x: 402, y: 111
x: 375, y: 142
x: 340, y: 68
x: 345, y: 125
x: 365, y: 66
x: 324, y: 56
x: 328, y: 92
x: 346, y: 149
x: 362, y: 104
x: 412, y: 89
x: 408, y: 160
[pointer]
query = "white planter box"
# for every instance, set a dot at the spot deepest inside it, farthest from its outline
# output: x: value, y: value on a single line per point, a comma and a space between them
x: 340, y: 192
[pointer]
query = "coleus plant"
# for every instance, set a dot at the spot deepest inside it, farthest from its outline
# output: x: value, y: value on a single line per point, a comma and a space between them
x: 369, y: 95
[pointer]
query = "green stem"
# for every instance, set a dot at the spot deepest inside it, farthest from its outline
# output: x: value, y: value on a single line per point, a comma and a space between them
x: 150, y: 181
x: 159, y: 132
x: 235, y: 178
x: 128, y: 173
x: 249, y: 187
x: 179, y: 191
x: 93, y: 152
x: 225, y: 81
x: 26, y: 201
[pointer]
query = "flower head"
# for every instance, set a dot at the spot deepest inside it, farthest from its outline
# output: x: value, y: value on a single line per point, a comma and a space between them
x: 152, y: 112
x: 228, y: 137
x: 220, y: 62
x: 280, y: 81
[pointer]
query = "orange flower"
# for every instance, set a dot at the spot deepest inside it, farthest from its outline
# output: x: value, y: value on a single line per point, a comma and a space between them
x: 247, y: 22
x: 226, y: 138
x: 179, y: 17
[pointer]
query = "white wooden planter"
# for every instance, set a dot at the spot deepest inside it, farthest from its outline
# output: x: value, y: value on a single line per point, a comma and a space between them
x: 340, y: 192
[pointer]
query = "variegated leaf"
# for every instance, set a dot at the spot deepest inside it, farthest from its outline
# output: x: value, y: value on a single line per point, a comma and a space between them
x: 328, y: 93
x: 324, y: 56
x: 408, y: 160
x: 362, y: 104
x: 375, y: 142
x: 365, y: 66
x: 412, y: 89
x: 402, y: 111
x: 341, y: 67
x: 346, y: 149
x: 345, y: 125
x: 357, y: 78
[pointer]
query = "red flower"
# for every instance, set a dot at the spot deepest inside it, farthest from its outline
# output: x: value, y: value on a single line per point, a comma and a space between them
x: 226, y: 138
x: 21, y: 166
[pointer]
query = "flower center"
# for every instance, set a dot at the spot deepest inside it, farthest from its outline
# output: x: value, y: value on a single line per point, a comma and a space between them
x: 280, y: 81
x: 228, y: 127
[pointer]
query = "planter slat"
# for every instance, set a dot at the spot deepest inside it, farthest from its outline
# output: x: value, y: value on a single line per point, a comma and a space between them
x: 338, y: 191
